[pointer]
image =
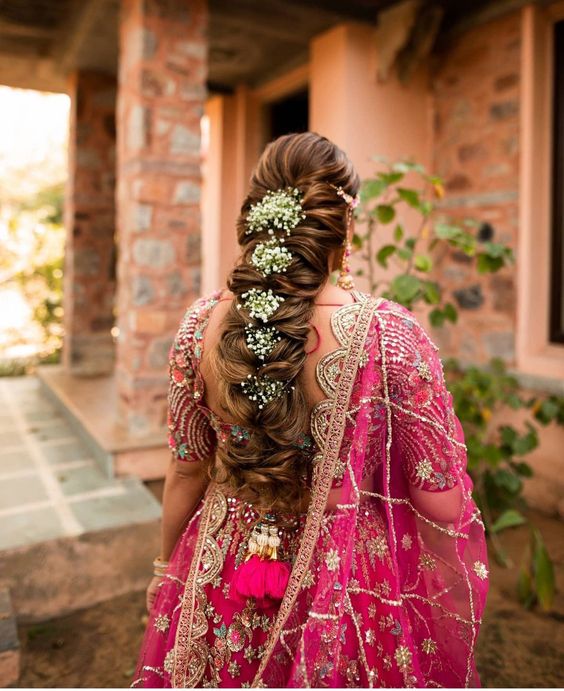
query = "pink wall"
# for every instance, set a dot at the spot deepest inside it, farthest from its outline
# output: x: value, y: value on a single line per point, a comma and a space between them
x: 362, y: 115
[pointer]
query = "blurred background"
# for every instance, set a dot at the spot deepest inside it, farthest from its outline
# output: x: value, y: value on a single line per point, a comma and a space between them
x: 128, y: 132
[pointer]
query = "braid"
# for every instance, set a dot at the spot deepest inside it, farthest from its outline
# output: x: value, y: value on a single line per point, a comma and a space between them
x: 269, y: 470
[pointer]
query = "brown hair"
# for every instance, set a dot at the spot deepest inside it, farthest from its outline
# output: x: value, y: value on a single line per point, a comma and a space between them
x: 268, y: 470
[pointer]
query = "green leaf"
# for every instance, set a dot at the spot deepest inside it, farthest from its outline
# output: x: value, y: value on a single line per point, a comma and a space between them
x: 508, y: 481
x: 391, y: 178
x: 410, y: 243
x: 385, y: 213
x: 431, y: 293
x: 436, y: 317
x: 404, y: 253
x: 398, y: 232
x: 525, y: 591
x: 356, y: 241
x: 486, y: 264
x: 405, y: 287
x: 508, y: 519
x: 526, y: 443
x: 450, y: 312
x: 444, y: 231
x: 409, y: 196
x: 523, y: 469
x: 372, y: 189
x: 543, y: 570
x: 423, y: 262
x: 384, y: 253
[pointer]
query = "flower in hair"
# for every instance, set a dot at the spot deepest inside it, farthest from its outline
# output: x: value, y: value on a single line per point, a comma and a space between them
x: 277, y: 210
x: 261, y: 339
x: 271, y: 257
x: 260, y: 304
x: 262, y: 389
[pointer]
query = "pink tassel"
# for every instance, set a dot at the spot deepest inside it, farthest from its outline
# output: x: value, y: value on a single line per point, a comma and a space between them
x: 277, y: 577
x: 262, y: 579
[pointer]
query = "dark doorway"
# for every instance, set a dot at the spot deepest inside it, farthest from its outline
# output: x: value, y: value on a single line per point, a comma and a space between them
x: 290, y: 114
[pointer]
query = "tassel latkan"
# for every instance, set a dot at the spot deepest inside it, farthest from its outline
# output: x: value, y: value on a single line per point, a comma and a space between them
x: 262, y: 575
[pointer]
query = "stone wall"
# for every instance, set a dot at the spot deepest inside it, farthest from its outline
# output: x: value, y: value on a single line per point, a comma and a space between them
x: 90, y: 221
x: 475, y: 88
x: 162, y: 76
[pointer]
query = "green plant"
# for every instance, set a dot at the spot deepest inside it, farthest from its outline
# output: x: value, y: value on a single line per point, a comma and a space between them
x: 407, y: 261
x: 31, y: 264
x: 496, y: 453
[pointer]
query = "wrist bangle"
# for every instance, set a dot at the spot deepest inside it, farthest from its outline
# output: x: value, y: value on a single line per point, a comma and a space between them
x: 159, y: 566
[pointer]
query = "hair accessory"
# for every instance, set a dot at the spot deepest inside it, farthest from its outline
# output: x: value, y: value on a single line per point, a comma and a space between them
x: 262, y: 389
x: 345, y: 279
x: 277, y: 210
x: 260, y: 304
x: 261, y: 339
x: 271, y: 257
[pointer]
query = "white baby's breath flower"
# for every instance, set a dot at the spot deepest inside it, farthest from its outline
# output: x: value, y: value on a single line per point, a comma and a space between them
x: 260, y: 304
x: 271, y: 257
x: 261, y: 340
x: 277, y: 210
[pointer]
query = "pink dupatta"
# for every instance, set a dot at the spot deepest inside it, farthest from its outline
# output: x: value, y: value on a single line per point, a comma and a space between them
x: 390, y: 401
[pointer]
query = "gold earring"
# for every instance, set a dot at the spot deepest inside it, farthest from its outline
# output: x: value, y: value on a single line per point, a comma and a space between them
x: 345, y: 280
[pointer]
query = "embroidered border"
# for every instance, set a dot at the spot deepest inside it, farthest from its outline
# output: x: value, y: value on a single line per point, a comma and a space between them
x: 190, y: 646
x: 324, y: 479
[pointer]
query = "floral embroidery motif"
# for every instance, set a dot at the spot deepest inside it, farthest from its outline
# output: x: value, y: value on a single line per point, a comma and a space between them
x: 168, y: 664
x: 403, y: 657
x: 425, y: 469
x: 427, y: 562
x: 429, y: 646
x: 406, y: 541
x: 162, y: 622
x: 332, y: 560
x: 424, y: 371
x: 481, y: 570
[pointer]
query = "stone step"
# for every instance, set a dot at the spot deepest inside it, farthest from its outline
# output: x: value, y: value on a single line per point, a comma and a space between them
x: 71, y: 536
x: 90, y: 406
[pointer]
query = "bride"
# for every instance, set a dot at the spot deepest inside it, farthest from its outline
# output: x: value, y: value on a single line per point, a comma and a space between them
x: 318, y: 525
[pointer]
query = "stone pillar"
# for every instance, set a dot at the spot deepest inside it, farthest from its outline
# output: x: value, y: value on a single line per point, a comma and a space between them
x: 90, y: 221
x: 161, y: 93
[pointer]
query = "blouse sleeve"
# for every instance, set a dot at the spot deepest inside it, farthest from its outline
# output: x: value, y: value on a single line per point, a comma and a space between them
x: 191, y: 436
x: 426, y: 432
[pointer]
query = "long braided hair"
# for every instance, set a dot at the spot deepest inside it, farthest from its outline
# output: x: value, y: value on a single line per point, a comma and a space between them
x: 268, y: 470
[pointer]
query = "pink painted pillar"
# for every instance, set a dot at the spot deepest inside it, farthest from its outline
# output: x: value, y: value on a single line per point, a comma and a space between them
x: 90, y: 222
x: 161, y: 92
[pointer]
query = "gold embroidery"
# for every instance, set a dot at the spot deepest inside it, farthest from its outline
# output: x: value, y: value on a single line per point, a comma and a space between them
x: 190, y: 645
x: 324, y: 477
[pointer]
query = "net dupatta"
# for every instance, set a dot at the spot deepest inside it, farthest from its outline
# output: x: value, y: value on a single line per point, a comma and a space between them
x: 435, y: 536
x: 391, y: 419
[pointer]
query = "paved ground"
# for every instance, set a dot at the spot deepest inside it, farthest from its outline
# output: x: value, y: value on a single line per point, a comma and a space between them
x: 50, y: 487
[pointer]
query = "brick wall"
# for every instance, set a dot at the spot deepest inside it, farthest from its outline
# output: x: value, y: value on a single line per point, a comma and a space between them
x: 476, y: 150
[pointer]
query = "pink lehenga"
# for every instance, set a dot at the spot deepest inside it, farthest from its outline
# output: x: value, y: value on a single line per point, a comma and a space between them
x: 388, y: 588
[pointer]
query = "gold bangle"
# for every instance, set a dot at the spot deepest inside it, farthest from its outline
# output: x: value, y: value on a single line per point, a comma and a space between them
x: 159, y: 566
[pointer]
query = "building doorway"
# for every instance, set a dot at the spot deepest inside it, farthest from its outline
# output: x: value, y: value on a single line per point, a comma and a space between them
x: 287, y: 114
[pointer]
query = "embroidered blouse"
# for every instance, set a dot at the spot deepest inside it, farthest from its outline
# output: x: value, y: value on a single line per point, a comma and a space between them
x: 418, y: 396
